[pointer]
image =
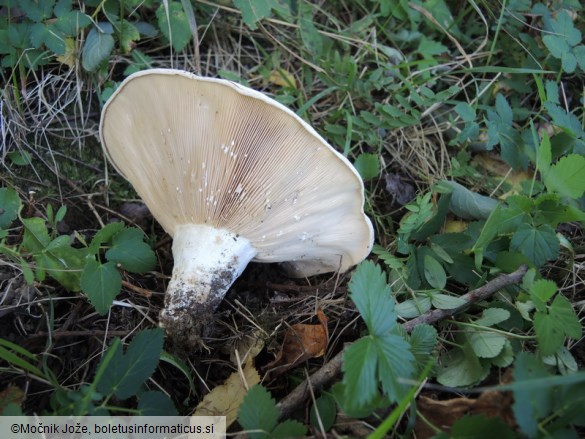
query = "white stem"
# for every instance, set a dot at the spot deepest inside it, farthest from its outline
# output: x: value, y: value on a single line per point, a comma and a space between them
x: 206, y: 263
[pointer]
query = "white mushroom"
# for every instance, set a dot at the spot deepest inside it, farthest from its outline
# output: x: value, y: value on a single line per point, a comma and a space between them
x: 232, y: 176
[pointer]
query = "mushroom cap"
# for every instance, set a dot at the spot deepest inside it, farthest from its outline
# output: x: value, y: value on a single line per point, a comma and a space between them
x: 210, y: 151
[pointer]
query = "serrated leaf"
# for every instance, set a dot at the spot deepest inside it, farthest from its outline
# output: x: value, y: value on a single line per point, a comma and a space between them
x: 530, y: 405
x: 493, y: 316
x: 130, y: 370
x: 444, y: 301
x: 567, y: 176
x: 130, y: 250
x: 97, y: 48
x: 253, y: 11
x: 395, y: 364
x: 359, y: 371
x: 9, y: 207
x: 434, y: 273
x: 368, y: 166
x: 175, y: 25
x: 101, y: 283
x: 556, y: 45
x: 541, y: 292
x: 539, y: 244
x: 469, y: 205
x: 128, y: 34
x: 423, y: 340
x: 371, y: 295
x: 70, y: 23
x: 155, y: 403
x: 563, y: 25
x: 486, y: 344
x: 258, y: 412
x: 550, y: 337
x: 564, y: 316
x: 505, y: 357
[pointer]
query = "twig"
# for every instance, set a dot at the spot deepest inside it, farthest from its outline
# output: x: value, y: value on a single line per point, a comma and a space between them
x: 328, y: 371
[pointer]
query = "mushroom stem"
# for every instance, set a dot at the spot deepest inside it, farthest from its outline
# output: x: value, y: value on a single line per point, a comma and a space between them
x: 206, y: 263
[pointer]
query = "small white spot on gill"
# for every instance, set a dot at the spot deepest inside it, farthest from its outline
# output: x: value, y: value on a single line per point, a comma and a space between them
x: 200, y: 190
x: 168, y: 130
x: 202, y: 165
x: 188, y: 161
x: 297, y: 217
x: 239, y: 189
x: 263, y: 237
x: 232, y: 143
x: 294, y: 201
x: 280, y: 233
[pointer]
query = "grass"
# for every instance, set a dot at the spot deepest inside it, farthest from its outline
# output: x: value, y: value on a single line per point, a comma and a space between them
x: 420, y: 92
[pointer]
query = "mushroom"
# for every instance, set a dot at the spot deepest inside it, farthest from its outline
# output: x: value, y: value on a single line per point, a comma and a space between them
x: 233, y: 176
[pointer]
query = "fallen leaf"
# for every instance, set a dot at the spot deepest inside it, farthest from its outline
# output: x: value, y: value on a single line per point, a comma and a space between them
x: 443, y: 414
x: 301, y: 342
x: 455, y: 226
x: 248, y: 348
x: 10, y: 394
x: 494, y: 165
x: 401, y: 191
x: 282, y: 78
x: 225, y: 400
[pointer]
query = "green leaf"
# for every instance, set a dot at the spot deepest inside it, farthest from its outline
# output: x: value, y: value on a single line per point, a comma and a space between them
x: 434, y: 273
x: 423, y: 340
x: 19, y: 158
x: 130, y: 250
x: 156, y: 403
x: 253, y: 11
x: 62, y: 262
x: 567, y: 176
x: 36, y: 236
x: 544, y: 155
x: 486, y: 344
x: 368, y: 166
x: 556, y: 45
x: 530, y: 404
x: 258, y: 412
x: 371, y: 295
x: 469, y: 205
x: 541, y: 292
x: 444, y: 301
x: 70, y: 23
x: 413, y: 307
x: 505, y: 357
x: 563, y: 25
x: 539, y: 244
x: 9, y: 207
x: 493, y: 316
x: 395, y: 364
x: 175, y: 25
x: 104, y: 235
x: 359, y: 371
x: 564, y: 316
x: 479, y: 427
x: 461, y: 367
x: 128, y: 372
x: 128, y: 34
x: 97, y: 48
x: 37, y: 10
x: 549, y: 335
x: 327, y: 409
x: 101, y: 283
x: 289, y: 429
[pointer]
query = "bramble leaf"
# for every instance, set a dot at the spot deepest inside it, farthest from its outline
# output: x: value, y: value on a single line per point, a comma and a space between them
x: 253, y: 11
x: 371, y: 295
x: 258, y: 412
x: 567, y: 176
x: 539, y: 244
